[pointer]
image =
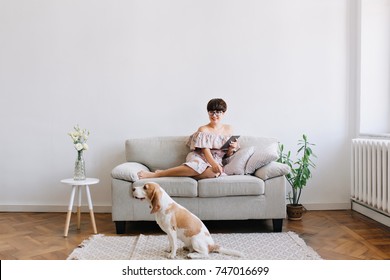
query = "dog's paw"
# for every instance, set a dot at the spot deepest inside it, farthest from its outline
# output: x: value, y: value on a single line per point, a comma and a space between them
x: 171, y: 256
x: 191, y: 256
x: 167, y: 250
x: 196, y: 255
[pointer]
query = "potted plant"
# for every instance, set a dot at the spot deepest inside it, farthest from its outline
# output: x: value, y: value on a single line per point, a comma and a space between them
x: 299, y: 175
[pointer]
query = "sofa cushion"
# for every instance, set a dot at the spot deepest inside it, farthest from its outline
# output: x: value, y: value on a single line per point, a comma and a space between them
x: 157, y: 152
x: 259, y: 142
x: 236, y: 163
x: 128, y: 171
x: 174, y: 186
x: 272, y: 170
x: 234, y: 185
x: 261, y: 157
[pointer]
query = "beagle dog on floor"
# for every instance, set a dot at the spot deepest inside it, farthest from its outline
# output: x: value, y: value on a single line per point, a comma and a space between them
x: 177, y: 222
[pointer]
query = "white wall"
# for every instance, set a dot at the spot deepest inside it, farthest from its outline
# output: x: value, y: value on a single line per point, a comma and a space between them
x: 375, y: 67
x: 145, y: 68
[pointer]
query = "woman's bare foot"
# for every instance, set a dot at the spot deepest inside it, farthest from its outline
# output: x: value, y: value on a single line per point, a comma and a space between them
x: 146, y: 174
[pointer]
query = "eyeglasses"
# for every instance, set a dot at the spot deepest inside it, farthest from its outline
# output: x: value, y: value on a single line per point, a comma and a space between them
x: 216, y: 113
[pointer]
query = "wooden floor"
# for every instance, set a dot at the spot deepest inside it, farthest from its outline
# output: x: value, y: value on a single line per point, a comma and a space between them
x: 335, y: 235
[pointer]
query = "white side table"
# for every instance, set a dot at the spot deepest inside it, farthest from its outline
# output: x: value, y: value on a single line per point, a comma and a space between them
x: 78, y: 184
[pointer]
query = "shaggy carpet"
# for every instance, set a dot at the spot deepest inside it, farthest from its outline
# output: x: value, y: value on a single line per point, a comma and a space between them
x: 254, y: 246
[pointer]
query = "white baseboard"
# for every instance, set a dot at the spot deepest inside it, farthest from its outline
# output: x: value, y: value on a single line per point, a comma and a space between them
x: 51, y: 208
x: 375, y: 215
x: 327, y: 206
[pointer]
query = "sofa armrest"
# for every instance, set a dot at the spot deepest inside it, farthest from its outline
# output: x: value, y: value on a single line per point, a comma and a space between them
x: 128, y: 171
x: 272, y: 170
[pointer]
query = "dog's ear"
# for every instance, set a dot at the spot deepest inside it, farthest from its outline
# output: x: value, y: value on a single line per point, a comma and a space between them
x: 155, y: 199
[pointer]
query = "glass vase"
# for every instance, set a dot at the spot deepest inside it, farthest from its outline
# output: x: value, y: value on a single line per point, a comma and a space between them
x: 79, y: 167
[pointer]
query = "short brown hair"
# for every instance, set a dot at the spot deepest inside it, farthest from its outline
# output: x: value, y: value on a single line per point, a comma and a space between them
x: 217, y: 104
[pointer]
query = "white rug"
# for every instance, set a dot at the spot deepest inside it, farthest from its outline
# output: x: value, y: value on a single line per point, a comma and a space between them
x: 254, y: 246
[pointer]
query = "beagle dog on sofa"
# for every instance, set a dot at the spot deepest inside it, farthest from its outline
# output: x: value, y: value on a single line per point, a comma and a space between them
x: 178, y: 222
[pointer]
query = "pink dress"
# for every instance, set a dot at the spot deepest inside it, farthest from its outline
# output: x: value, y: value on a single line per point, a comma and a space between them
x: 196, y: 159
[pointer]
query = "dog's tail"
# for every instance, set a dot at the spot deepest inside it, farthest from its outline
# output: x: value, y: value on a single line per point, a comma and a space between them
x: 225, y: 251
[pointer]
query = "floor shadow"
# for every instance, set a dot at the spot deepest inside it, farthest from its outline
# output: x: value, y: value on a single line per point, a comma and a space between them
x: 231, y: 226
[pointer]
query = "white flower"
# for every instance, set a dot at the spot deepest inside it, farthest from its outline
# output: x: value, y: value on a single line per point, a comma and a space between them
x: 78, y: 146
x: 74, y: 136
x: 79, y: 137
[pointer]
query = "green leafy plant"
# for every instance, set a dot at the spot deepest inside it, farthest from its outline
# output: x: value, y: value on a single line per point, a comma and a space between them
x: 300, y: 169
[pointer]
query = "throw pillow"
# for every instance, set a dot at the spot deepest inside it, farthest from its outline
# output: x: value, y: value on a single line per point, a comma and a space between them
x: 237, y: 162
x: 271, y: 170
x: 128, y: 171
x: 262, y: 157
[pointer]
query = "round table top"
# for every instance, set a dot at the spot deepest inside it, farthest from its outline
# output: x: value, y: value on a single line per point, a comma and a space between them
x: 87, y: 181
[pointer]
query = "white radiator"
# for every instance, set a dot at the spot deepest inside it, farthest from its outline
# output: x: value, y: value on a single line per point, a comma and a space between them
x: 371, y: 175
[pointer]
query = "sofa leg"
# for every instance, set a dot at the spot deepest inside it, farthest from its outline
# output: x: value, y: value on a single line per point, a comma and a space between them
x: 120, y: 227
x: 278, y: 224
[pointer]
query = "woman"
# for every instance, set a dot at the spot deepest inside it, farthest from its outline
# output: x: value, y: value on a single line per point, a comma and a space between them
x: 205, y: 158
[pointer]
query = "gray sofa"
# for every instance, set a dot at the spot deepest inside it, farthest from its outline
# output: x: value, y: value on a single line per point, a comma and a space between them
x: 258, y: 195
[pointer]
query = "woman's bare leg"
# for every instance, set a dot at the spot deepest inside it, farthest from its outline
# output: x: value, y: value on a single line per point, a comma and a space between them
x: 178, y: 171
x: 208, y: 173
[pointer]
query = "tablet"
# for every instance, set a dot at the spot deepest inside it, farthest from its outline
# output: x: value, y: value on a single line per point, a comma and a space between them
x: 231, y: 139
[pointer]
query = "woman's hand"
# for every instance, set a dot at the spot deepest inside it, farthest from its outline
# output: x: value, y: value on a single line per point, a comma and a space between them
x: 217, y: 169
x: 232, y: 148
x: 233, y: 145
